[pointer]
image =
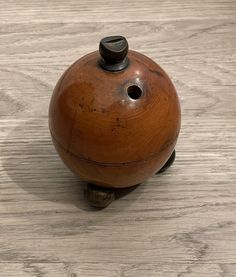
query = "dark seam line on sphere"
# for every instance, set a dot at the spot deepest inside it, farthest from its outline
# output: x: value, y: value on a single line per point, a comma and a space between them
x: 120, y: 164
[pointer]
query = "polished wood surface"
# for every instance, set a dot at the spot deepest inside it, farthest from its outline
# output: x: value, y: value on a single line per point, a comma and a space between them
x: 178, y: 224
x: 105, y: 135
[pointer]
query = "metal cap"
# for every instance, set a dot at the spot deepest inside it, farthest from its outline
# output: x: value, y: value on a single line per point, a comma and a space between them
x: 113, y: 51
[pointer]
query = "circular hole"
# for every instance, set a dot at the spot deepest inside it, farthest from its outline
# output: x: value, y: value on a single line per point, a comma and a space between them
x: 134, y: 92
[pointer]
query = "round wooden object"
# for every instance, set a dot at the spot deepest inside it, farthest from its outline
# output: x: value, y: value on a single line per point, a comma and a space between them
x: 114, y: 129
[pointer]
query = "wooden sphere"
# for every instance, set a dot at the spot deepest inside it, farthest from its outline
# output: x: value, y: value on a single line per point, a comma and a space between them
x: 114, y: 128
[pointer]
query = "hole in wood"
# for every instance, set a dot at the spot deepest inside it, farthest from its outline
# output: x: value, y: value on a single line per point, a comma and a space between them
x: 134, y: 92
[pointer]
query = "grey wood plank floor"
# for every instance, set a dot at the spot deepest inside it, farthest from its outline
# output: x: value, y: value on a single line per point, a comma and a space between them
x: 178, y: 224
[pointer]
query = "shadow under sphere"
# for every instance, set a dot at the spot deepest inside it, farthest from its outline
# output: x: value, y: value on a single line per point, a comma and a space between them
x: 30, y: 160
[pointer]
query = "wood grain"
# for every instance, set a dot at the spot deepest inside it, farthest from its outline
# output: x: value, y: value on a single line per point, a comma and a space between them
x: 179, y: 224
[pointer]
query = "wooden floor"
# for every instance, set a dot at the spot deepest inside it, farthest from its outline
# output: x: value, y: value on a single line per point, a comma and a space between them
x: 178, y: 224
